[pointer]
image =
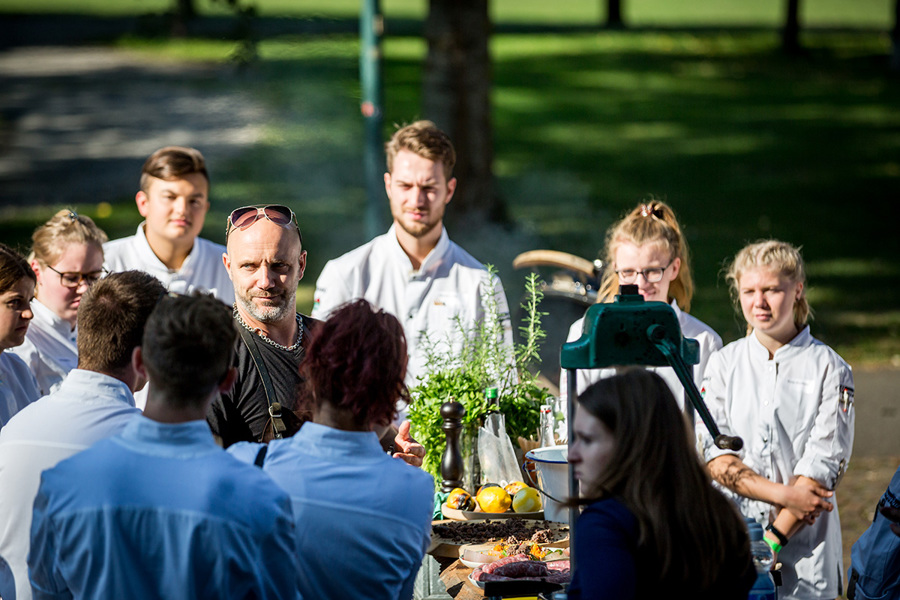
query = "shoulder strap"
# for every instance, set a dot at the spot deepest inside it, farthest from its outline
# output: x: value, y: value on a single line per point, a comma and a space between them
x: 274, y: 406
x: 261, y: 456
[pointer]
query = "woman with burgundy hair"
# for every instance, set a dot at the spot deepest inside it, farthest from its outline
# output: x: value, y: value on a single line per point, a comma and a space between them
x: 362, y: 518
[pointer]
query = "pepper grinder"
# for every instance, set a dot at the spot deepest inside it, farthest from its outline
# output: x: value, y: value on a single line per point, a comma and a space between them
x: 452, y: 469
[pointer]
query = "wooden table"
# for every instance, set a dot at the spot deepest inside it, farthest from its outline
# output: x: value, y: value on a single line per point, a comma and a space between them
x: 455, y: 576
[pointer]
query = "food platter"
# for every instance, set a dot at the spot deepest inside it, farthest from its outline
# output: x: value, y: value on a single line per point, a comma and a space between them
x: 449, y: 537
x: 476, y: 583
x: 478, y: 515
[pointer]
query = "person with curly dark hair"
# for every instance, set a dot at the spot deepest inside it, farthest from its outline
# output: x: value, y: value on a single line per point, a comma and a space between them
x: 350, y: 498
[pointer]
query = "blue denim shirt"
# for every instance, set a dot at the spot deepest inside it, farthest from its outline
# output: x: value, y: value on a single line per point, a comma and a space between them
x: 160, y: 511
x: 363, y: 519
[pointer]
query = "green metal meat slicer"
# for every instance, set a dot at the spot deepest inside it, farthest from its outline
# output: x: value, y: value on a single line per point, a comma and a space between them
x: 631, y: 331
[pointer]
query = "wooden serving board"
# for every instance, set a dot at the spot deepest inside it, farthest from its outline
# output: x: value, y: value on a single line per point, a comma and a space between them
x: 450, y: 548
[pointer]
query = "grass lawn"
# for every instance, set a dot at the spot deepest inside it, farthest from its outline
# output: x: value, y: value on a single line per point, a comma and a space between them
x: 859, y: 13
x: 742, y: 141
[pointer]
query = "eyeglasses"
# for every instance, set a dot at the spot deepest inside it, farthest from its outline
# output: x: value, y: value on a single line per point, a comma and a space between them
x: 651, y: 275
x: 73, y: 279
x: 244, y: 217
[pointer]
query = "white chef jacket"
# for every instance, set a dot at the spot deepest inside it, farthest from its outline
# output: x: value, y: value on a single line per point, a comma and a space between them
x: 795, y: 415
x: 49, y: 349
x: 449, y: 284
x: 202, y: 269
x: 87, y: 407
x: 18, y: 388
x: 691, y: 327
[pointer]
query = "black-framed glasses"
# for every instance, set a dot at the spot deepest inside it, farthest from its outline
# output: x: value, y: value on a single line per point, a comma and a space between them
x: 244, y: 217
x: 72, y: 279
x: 650, y: 275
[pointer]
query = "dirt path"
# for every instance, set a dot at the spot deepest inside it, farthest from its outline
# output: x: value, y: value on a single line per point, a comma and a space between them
x: 76, y: 123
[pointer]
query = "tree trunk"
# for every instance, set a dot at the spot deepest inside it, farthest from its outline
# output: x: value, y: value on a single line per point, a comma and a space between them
x: 790, y: 37
x: 895, y: 39
x: 614, y: 14
x: 456, y: 96
x: 184, y: 13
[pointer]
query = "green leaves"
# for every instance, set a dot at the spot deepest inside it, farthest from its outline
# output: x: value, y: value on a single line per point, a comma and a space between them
x: 484, y: 360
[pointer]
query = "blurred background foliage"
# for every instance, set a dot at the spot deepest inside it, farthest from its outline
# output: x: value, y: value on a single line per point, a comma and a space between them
x: 693, y: 102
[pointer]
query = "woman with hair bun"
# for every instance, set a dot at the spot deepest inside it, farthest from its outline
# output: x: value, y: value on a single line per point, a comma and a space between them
x: 647, y: 248
x: 350, y: 499
x: 790, y: 397
x: 17, y: 385
x: 67, y: 258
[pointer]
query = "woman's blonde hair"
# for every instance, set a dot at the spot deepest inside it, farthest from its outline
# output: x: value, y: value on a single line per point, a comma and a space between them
x: 652, y: 222
x: 49, y: 241
x: 687, y: 527
x: 777, y: 256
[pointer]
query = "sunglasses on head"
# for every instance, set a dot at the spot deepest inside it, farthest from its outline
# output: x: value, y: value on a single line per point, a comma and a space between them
x: 244, y: 217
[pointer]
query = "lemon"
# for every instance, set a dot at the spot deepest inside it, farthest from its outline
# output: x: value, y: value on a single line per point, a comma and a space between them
x: 486, y: 485
x: 526, y: 500
x: 514, y: 486
x: 493, y: 499
x: 460, y: 499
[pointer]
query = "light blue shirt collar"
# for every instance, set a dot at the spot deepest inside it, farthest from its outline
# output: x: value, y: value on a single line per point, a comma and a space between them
x: 333, y: 444
x: 89, y: 387
x: 172, y: 440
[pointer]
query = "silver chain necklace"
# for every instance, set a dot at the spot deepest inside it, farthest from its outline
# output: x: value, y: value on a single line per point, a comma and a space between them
x: 266, y: 338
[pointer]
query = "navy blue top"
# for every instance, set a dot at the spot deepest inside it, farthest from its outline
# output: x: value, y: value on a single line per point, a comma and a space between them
x: 609, y: 563
x: 605, y: 550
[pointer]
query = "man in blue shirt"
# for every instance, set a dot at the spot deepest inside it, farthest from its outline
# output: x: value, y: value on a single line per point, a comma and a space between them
x: 94, y: 402
x: 875, y: 557
x: 161, y: 511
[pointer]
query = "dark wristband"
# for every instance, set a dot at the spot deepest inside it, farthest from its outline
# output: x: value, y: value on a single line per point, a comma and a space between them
x: 782, y: 539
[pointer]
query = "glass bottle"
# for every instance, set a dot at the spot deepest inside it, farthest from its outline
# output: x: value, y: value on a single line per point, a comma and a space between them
x: 547, y: 425
x: 764, y: 587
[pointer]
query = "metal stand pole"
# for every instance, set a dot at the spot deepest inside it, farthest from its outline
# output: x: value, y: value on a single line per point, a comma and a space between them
x: 371, y: 28
x: 573, y: 483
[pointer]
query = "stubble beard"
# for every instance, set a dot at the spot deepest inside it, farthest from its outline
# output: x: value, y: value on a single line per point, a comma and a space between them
x: 270, y: 314
x: 418, y: 229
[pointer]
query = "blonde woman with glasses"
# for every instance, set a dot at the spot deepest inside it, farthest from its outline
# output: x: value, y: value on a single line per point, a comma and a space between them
x: 67, y: 258
x: 648, y: 249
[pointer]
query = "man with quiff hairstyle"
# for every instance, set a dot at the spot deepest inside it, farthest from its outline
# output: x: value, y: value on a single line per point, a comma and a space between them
x: 173, y: 199
x: 414, y: 271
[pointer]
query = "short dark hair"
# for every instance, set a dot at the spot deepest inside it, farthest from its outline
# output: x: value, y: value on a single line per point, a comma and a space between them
x: 112, y: 317
x: 422, y: 138
x: 13, y: 268
x: 172, y: 162
x: 356, y: 361
x: 188, y: 347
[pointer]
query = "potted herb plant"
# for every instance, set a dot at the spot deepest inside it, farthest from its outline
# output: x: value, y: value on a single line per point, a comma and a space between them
x: 483, y: 361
